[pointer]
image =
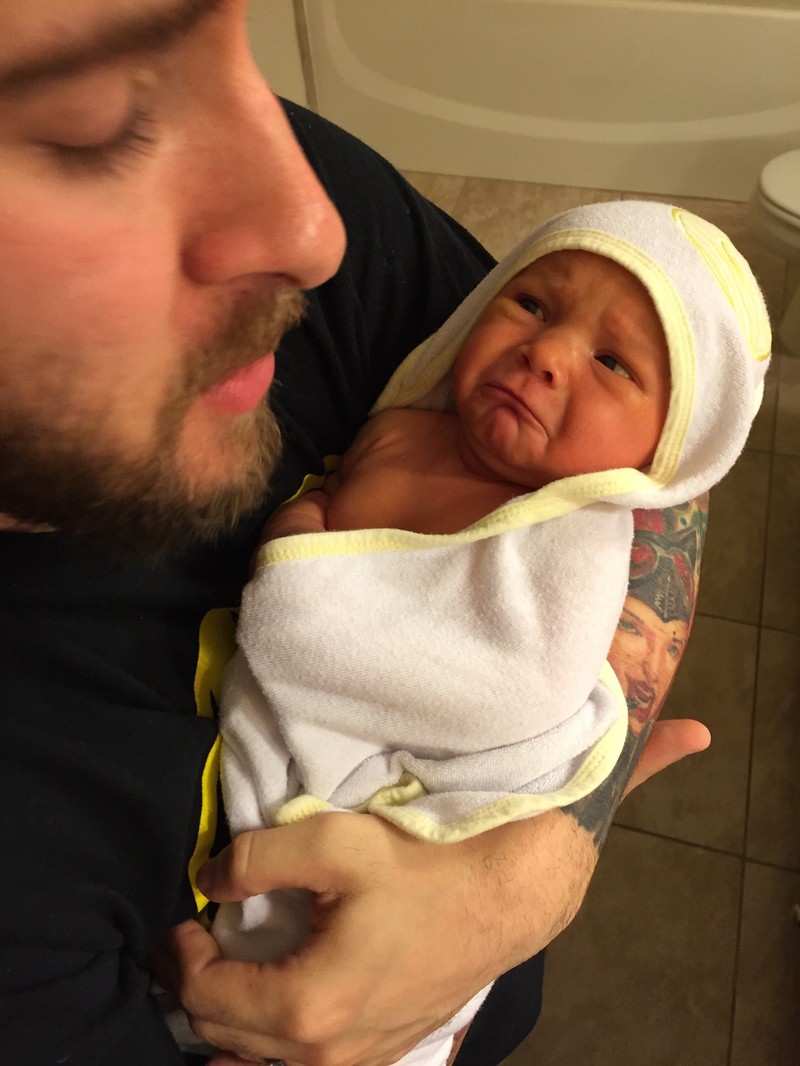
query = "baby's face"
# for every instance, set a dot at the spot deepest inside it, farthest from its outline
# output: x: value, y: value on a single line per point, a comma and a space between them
x: 566, y: 372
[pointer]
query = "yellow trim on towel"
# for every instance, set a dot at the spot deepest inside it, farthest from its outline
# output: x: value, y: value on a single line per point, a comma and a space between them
x: 734, y: 277
x: 407, y: 789
x: 300, y: 808
x: 207, y: 827
x: 553, y: 501
x: 599, y: 763
x: 402, y: 392
x: 217, y: 647
x: 217, y: 643
x: 392, y: 801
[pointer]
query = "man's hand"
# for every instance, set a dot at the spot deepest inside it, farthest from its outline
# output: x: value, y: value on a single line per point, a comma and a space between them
x: 670, y: 741
x: 405, y: 931
x: 361, y: 991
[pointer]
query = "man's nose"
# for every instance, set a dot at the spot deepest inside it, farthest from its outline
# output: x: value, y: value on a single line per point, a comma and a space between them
x: 554, y: 357
x: 258, y: 207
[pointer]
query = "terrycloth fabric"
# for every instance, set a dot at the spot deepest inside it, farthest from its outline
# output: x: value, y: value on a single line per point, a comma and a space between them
x: 451, y: 683
x: 443, y: 669
x: 717, y: 331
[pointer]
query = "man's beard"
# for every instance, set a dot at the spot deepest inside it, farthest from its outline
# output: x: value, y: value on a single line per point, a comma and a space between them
x: 149, y: 506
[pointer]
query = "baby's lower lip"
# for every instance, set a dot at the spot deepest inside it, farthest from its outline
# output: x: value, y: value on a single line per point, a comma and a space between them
x: 509, y: 398
x: 244, y: 389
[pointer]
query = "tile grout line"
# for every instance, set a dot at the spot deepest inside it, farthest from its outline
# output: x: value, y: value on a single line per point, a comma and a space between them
x: 678, y: 840
x: 725, y: 852
x: 712, y: 616
x: 751, y: 754
x: 779, y: 867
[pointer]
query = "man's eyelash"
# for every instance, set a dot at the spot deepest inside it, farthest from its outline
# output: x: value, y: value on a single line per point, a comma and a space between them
x: 135, y: 138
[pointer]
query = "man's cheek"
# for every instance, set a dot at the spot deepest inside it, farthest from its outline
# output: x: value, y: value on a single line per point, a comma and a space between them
x: 120, y: 296
x: 90, y: 262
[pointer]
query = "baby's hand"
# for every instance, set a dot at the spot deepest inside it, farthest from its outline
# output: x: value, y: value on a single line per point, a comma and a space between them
x: 304, y: 515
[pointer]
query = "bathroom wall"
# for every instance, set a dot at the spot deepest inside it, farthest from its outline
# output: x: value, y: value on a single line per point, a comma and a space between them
x: 660, y: 96
x: 762, y: 5
x: 276, y: 47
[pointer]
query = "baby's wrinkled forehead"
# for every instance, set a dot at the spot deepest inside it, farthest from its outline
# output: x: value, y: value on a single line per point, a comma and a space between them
x: 561, y: 266
x: 580, y: 272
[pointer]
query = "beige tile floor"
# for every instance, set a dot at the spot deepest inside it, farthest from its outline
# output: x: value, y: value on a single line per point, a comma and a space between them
x: 686, y: 952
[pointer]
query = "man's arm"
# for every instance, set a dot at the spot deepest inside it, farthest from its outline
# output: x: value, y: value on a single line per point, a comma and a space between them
x: 363, y: 988
x: 649, y: 644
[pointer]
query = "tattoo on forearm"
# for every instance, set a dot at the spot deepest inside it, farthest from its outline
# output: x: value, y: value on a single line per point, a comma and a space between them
x: 651, y: 638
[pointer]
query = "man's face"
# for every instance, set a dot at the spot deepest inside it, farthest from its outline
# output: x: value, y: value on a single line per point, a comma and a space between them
x: 566, y: 372
x: 157, y: 224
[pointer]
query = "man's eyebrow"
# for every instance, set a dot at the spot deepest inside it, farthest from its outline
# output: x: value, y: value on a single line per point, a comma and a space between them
x: 138, y: 32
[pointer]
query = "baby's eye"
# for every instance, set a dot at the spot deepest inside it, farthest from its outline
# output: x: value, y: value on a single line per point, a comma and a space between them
x: 531, y: 305
x: 614, y: 365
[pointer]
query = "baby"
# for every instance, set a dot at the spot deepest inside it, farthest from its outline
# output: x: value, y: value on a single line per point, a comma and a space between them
x: 565, y: 372
x: 426, y: 639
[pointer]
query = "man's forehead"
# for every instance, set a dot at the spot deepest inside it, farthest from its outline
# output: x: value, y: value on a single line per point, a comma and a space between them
x: 43, y: 39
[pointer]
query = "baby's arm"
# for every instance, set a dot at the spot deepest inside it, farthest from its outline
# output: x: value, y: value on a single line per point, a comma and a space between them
x: 308, y: 513
x: 304, y: 515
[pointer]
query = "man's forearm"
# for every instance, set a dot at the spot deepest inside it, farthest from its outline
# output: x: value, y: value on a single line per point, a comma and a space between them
x: 650, y: 640
x: 541, y: 867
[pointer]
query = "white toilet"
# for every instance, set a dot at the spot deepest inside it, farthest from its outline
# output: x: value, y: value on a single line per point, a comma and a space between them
x: 775, y: 216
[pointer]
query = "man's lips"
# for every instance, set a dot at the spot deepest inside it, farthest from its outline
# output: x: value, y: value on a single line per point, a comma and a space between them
x: 244, y: 389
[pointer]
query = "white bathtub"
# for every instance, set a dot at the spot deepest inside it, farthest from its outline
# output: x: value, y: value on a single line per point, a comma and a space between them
x: 643, y: 95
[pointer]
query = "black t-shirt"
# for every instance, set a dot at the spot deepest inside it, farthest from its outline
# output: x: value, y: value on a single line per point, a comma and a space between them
x: 106, y: 689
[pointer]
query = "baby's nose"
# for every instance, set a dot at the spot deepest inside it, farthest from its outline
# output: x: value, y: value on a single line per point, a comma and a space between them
x: 554, y: 358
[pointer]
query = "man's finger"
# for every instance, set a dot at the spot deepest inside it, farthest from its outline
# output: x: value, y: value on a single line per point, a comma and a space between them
x: 191, y: 947
x: 670, y: 741
x: 291, y: 856
x: 260, y: 993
